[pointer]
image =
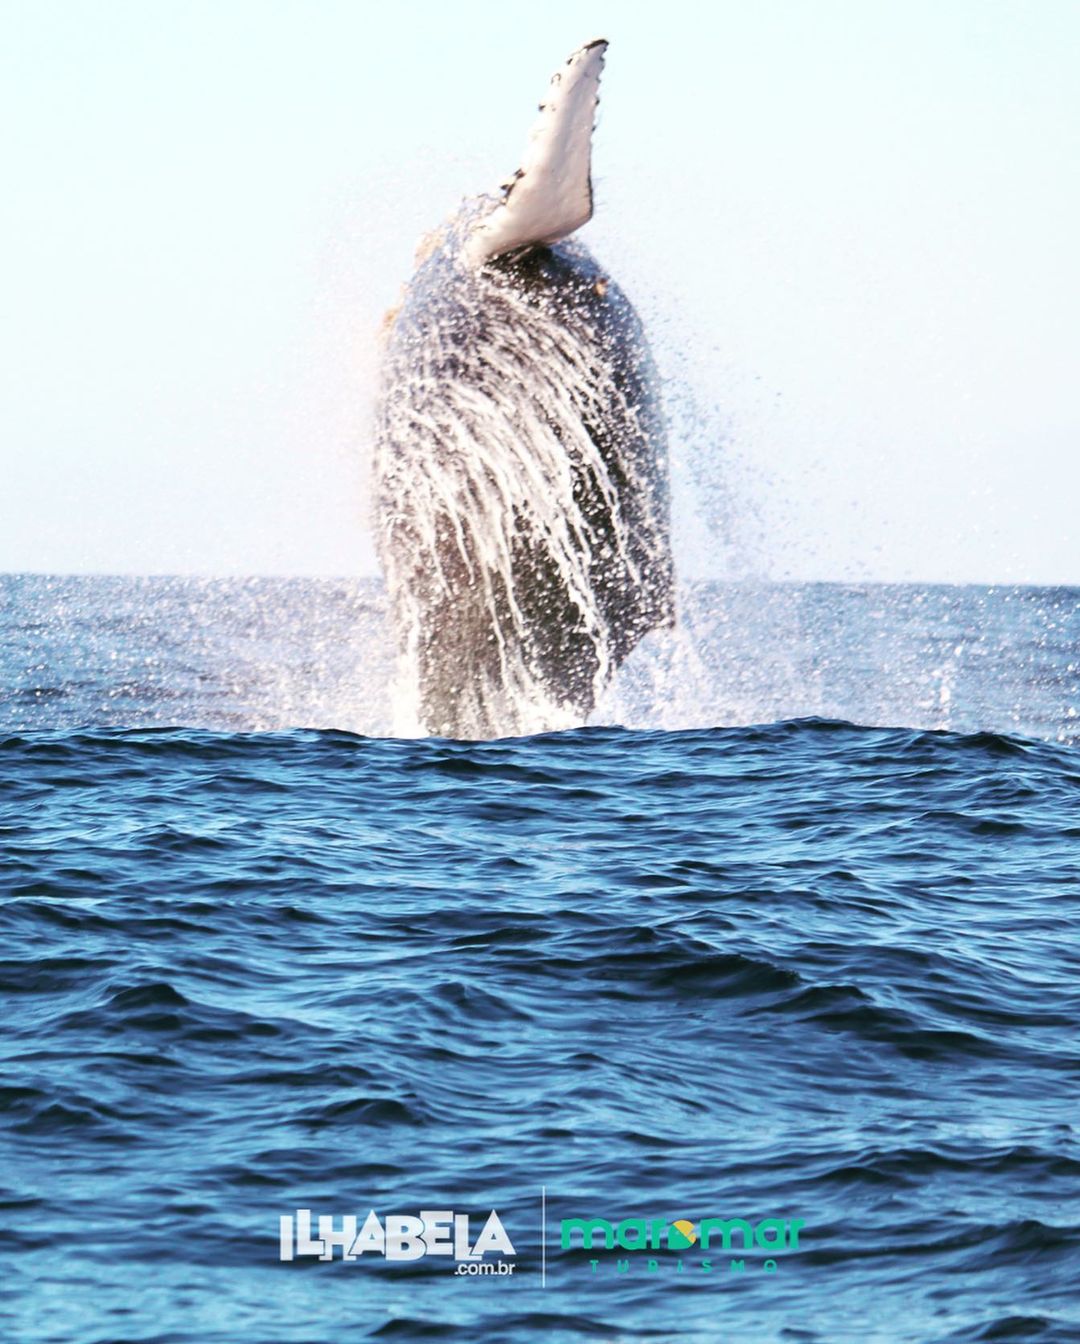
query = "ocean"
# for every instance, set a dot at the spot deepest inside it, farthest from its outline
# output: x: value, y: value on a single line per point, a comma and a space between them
x: 780, y: 952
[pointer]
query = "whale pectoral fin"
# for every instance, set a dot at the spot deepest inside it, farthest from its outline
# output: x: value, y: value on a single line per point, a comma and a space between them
x: 550, y: 195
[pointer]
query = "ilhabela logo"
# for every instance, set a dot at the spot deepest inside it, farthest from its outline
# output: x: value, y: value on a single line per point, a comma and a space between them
x: 399, y: 1237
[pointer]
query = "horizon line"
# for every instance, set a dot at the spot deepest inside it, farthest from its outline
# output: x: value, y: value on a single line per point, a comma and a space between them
x: 743, y: 579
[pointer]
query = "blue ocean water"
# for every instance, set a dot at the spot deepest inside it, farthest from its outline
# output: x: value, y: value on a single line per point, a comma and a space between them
x: 257, y: 955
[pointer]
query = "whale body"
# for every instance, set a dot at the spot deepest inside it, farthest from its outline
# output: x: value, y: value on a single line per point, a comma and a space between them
x: 521, y: 479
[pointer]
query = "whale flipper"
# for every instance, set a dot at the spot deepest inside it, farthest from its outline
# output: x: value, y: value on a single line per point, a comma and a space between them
x: 550, y: 195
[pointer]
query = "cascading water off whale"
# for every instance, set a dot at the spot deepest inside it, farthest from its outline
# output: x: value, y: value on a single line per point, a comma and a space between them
x: 520, y: 457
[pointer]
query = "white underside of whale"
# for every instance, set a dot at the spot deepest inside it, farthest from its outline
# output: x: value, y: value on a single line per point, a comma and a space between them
x: 550, y: 195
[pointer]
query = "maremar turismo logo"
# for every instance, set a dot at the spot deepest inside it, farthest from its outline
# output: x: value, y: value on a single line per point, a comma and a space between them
x: 712, y: 1240
x: 401, y: 1238
x: 650, y: 1245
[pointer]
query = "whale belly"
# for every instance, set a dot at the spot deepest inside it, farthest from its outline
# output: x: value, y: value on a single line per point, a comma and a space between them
x: 522, y: 496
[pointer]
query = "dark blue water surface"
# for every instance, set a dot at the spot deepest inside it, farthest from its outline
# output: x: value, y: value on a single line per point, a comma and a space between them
x: 805, y: 970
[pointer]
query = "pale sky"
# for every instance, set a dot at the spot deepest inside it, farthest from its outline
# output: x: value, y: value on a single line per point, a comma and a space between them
x: 850, y: 227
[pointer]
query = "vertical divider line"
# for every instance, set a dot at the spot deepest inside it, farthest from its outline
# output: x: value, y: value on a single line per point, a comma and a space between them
x: 543, y: 1236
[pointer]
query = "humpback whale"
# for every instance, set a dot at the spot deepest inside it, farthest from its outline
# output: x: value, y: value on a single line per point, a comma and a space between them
x: 520, y: 460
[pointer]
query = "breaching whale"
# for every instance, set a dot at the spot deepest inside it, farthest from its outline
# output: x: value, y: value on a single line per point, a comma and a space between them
x: 520, y: 463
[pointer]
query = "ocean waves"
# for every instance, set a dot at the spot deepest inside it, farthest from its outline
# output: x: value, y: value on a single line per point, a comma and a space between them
x: 803, y: 968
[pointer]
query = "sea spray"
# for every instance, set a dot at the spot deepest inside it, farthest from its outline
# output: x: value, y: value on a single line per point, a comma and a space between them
x: 521, y: 500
